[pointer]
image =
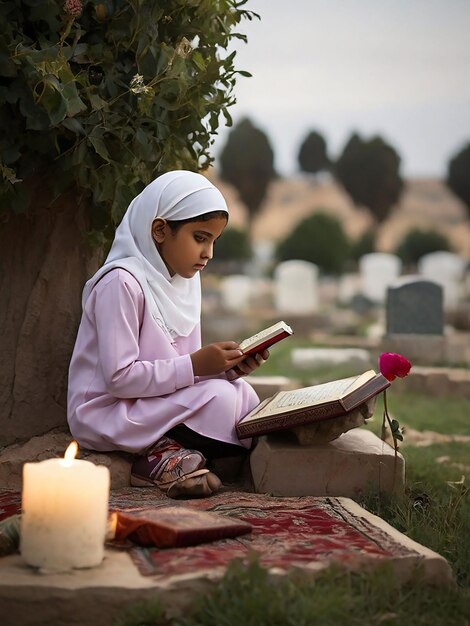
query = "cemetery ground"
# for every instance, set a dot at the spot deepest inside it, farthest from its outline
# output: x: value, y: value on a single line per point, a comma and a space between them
x: 434, y: 510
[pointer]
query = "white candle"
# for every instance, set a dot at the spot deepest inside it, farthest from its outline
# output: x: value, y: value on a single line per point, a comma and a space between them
x: 65, y: 511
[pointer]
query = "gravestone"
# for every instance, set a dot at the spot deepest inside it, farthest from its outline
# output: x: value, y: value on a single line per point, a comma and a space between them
x: 378, y: 271
x: 306, y: 358
x: 236, y: 292
x: 349, y: 286
x: 263, y: 257
x: 296, y: 287
x: 448, y: 270
x: 414, y: 306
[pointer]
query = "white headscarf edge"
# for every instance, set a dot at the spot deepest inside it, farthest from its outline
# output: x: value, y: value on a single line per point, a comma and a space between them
x: 174, y: 302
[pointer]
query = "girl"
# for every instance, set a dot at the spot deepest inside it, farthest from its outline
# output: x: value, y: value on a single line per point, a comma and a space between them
x: 139, y: 380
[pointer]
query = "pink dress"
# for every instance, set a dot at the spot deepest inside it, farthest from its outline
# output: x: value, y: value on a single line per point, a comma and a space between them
x: 128, y: 384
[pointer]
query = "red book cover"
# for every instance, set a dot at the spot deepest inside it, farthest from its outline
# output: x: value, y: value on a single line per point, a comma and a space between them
x: 266, y: 338
x: 175, y: 526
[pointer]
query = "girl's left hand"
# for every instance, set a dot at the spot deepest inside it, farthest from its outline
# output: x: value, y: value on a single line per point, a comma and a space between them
x: 251, y: 363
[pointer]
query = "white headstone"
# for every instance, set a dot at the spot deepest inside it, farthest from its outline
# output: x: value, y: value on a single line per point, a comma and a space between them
x: 305, y: 358
x: 379, y: 271
x: 348, y: 287
x: 446, y: 269
x: 236, y: 292
x: 296, y: 287
x: 263, y: 256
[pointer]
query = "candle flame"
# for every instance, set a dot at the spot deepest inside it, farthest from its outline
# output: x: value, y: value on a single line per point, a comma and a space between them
x: 71, y: 452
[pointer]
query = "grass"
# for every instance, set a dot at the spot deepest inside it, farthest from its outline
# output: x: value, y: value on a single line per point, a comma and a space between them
x: 248, y: 596
x: 434, y: 511
x: 444, y: 414
x: 435, y: 508
x: 280, y: 364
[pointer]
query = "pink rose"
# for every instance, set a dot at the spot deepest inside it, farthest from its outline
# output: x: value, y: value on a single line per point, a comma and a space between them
x: 392, y: 365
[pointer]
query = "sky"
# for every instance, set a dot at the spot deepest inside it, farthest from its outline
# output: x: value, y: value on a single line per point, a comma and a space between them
x: 396, y: 68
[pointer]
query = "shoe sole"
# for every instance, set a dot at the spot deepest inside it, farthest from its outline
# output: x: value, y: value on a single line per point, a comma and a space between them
x: 139, y: 481
x: 197, y: 487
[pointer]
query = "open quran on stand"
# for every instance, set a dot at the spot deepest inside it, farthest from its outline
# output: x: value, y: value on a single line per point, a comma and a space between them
x: 287, y: 409
x: 265, y: 338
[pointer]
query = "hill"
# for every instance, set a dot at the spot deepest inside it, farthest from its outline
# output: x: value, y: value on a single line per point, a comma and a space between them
x: 425, y: 203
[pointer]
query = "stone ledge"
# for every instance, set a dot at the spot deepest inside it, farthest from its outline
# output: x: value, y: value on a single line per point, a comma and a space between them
x: 89, y: 596
x: 54, y: 444
x: 353, y: 464
x: 99, y: 595
x: 437, y: 381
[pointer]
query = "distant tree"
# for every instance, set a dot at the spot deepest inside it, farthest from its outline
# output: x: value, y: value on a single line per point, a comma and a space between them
x: 313, y: 157
x: 233, y: 245
x: 365, y: 244
x: 418, y: 242
x: 458, y: 176
x: 247, y: 162
x: 319, y: 239
x: 369, y: 172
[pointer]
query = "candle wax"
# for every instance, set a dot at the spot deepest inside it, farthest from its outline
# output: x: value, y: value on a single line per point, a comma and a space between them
x: 65, y: 510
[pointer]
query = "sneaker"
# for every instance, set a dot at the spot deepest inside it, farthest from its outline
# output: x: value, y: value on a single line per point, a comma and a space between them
x: 175, y: 470
x: 195, y: 486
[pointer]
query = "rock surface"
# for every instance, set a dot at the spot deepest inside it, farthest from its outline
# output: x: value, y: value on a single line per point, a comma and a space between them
x: 54, y: 444
x: 355, y: 463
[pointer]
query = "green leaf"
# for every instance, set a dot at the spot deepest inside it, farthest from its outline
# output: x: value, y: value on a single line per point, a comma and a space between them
x: 74, y: 125
x: 73, y: 102
x: 198, y: 60
x: 100, y: 147
x: 111, y: 141
x: 53, y: 102
x: 96, y: 102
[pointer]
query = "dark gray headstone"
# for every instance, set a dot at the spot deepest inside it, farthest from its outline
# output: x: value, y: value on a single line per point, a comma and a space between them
x: 415, y: 306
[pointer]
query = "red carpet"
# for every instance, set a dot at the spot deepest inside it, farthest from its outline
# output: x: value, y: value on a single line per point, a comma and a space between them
x: 287, y: 532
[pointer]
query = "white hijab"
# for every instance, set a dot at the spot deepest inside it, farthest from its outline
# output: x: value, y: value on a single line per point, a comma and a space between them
x: 174, y: 302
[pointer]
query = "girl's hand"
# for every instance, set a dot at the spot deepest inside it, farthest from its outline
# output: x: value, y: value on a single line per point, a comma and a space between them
x: 216, y: 358
x: 251, y: 363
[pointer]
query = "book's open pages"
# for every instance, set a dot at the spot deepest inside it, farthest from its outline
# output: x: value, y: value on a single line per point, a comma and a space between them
x: 285, y: 401
x: 280, y: 329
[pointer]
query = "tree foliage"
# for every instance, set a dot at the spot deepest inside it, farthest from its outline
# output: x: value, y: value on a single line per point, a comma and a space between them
x: 233, y: 245
x: 247, y: 162
x: 320, y: 239
x: 418, y: 242
x: 107, y: 94
x: 365, y: 244
x: 313, y: 157
x: 458, y: 175
x: 369, y: 172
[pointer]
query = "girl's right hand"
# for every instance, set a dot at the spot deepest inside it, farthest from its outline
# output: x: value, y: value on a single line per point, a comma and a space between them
x: 216, y: 358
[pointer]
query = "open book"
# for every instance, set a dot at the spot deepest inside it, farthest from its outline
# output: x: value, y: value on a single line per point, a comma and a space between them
x: 265, y: 338
x: 287, y: 409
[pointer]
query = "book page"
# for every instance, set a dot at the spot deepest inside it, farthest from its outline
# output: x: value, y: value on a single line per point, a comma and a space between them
x: 262, y: 335
x: 285, y: 401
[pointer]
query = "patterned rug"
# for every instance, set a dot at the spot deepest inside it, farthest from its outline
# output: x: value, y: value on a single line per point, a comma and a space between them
x: 287, y: 532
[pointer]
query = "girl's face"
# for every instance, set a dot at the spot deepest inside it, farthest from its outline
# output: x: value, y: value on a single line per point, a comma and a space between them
x: 188, y: 249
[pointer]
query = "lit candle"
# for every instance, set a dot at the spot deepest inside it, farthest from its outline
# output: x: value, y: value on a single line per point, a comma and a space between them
x: 65, y: 511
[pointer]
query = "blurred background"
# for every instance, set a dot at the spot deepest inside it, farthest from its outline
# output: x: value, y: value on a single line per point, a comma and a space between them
x: 350, y: 153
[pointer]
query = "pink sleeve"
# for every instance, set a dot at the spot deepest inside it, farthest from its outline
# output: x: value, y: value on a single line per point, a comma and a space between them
x: 117, y: 318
